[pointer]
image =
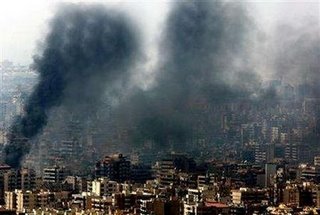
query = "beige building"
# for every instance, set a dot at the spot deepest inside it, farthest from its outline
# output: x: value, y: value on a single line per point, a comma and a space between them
x: 10, y: 200
x: 104, y: 187
x: 26, y: 201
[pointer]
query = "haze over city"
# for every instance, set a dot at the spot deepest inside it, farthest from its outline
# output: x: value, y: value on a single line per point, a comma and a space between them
x: 160, y: 107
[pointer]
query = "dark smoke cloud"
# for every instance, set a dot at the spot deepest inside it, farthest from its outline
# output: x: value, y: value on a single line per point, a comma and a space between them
x: 204, y: 62
x: 297, y: 56
x: 207, y: 49
x: 87, y: 50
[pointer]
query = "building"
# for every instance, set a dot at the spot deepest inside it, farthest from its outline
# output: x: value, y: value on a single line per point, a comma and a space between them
x: 210, y: 208
x: 3, y: 170
x: 55, y: 174
x: 190, y: 204
x: 10, y: 200
x: 205, y: 180
x: 69, y: 148
x: 166, y: 207
x: 140, y: 173
x: 173, y: 163
x: 44, y: 199
x: 104, y: 187
x: 270, y: 172
x: 264, y: 153
x: 297, y: 196
x: 124, y: 201
x: 310, y: 173
x: 22, y: 179
x: 247, y: 196
x: 26, y: 201
x: 116, y: 167
x: 317, y: 160
x: 291, y: 152
x: 101, y: 203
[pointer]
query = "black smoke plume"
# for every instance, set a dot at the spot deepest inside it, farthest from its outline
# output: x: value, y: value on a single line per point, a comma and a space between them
x: 203, y: 63
x: 87, y: 49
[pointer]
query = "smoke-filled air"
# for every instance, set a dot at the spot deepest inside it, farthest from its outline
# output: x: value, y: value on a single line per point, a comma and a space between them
x: 87, y: 49
x: 212, y: 63
x: 204, y: 62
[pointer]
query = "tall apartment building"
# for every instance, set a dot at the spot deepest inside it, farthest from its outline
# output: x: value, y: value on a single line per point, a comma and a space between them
x: 264, y: 153
x: 10, y: 200
x: 291, y: 152
x: 3, y: 170
x: 270, y: 172
x: 54, y: 174
x: 116, y: 167
x: 172, y: 163
x: 26, y: 201
x: 10, y: 179
x: 22, y: 179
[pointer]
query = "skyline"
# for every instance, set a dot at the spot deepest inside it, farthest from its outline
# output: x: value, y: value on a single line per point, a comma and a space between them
x: 193, y: 107
x: 206, y: 52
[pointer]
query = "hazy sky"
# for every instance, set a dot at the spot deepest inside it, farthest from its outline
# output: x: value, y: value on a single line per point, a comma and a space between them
x: 23, y: 23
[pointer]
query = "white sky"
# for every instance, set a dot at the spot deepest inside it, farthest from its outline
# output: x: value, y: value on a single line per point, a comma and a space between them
x: 23, y: 23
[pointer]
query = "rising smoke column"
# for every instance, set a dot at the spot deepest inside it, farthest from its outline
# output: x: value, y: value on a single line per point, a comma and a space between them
x: 206, y: 46
x: 87, y: 49
x: 204, y: 60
